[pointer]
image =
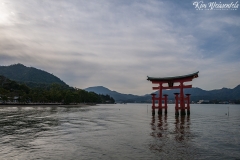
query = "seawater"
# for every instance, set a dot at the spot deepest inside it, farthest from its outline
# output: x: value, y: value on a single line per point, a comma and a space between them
x: 119, y: 131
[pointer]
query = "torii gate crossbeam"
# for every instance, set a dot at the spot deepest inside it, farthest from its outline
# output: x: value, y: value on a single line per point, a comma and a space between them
x: 179, y: 98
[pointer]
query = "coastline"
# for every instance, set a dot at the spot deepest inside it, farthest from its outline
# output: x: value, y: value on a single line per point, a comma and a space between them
x: 46, y: 104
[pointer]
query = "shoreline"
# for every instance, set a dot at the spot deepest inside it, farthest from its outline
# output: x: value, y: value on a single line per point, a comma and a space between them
x: 46, y: 104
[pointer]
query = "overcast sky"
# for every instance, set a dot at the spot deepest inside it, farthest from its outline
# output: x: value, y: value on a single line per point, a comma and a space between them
x: 118, y: 43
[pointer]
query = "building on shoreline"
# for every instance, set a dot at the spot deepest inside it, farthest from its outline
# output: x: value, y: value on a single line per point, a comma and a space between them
x: 203, y: 102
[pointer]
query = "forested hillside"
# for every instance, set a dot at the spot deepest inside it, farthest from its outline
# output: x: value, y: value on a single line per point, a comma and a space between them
x: 30, y: 76
x: 12, y: 92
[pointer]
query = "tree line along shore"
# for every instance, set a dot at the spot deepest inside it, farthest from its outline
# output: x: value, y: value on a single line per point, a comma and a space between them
x: 12, y: 92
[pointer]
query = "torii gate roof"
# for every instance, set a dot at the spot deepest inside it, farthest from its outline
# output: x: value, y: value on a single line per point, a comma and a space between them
x: 191, y: 76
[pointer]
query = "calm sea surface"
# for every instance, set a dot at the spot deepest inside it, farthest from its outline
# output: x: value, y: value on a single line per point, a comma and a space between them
x: 119, y: 132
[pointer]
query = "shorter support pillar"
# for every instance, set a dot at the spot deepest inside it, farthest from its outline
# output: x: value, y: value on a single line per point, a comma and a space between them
x: 182, y: 101
x: 159, y: 111
x: 176, y: 104
x: 153, y: 104
x: 188, y: 104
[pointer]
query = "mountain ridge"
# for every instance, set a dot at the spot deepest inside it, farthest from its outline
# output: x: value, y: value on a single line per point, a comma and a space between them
x: 224, y: 94
x: 116, y: 95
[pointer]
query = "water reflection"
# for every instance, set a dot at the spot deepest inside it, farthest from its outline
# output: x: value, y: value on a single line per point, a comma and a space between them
x: 170, y: 133
x: 159, y: 132
x: 159, y: 128
x: 182, y: 128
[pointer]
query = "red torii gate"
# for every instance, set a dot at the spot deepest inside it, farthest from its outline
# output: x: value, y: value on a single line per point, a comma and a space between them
x: 170, y: 81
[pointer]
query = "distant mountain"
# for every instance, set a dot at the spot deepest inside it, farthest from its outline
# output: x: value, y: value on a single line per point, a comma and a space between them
x: 197, y: 94
x: 29, y: 75
x: 119, y: 97
x: 99, y: 90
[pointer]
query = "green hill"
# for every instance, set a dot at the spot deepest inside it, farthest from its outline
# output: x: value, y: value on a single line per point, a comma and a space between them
x: 13, y: 93
x: 21, y: 84
x: 7, y: 85
x: 30, y: 76
x: 10, y: 89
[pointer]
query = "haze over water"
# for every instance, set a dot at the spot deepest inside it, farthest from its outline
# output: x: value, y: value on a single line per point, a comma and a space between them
x: 119, y: 132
